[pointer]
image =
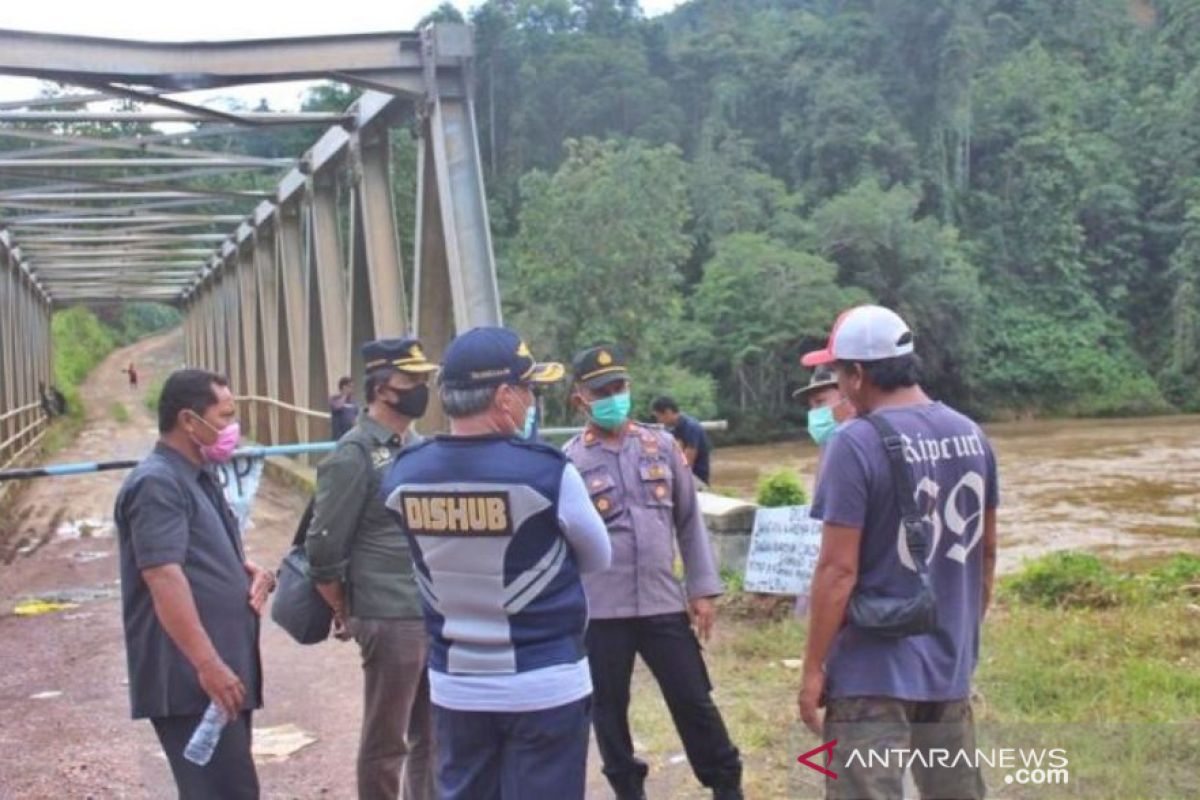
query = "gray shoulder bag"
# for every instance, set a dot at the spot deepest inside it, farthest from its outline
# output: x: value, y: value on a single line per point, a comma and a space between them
x: 915, y: 613
x: 299, y: 608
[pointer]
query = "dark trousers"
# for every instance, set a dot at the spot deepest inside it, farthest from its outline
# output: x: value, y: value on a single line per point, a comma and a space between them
x: 397, y: 732
x: 670, y: 649
x: 880, y: 724
x: 230, y: 775
x: 528, y: 755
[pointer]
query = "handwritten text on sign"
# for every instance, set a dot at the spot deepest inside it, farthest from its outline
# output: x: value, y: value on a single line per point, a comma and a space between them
x: 783, y: 551
x: 239, y: 479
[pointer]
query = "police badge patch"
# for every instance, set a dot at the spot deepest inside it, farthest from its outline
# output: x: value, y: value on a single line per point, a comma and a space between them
x: 381, y: 457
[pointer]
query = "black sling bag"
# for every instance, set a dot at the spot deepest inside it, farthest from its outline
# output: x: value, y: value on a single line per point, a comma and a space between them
x: 915, y: 613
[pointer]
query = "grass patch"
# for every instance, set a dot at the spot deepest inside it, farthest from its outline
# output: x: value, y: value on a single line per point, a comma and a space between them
x: 118, y: 412
x: 81, y: 342
x: 1075, y: 639
x: 153, y: 394
x: 1118, y: 688
x: 780, y: 488
x: 1083, y: 580
x: 62, y: 432
x: 1065, y: 579
x: 734, y: 580
x: 1126, y: 664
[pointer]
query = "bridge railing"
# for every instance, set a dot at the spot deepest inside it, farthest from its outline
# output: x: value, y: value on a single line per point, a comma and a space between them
x: 268, y: 420
x: 25, y: 356
x: 29, y: 426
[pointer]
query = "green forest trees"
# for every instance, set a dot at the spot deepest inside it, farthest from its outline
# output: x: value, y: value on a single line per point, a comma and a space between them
x: 710, y: 187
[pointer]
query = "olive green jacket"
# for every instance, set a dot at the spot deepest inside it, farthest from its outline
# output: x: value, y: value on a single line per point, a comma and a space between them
x: 353, y: 537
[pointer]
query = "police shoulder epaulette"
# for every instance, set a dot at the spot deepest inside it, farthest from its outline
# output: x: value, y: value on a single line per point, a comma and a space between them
x: 659, y: 439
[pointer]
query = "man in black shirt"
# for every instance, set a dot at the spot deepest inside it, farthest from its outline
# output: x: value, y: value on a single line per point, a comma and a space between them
x: 191, y: 600
x: 688, y: 431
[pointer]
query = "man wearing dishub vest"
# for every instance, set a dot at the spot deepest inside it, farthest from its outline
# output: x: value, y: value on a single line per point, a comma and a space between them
x: 500, y: 529
x: 642, y: 486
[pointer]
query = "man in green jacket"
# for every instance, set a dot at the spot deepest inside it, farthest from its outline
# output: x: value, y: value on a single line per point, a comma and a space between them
x: 359, y: 559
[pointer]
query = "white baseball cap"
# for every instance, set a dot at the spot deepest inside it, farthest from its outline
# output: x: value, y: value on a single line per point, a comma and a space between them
x: 864, y: 333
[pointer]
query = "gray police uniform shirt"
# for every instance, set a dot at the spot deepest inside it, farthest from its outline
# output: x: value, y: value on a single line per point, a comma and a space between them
x: 353, y: 537
x: 645, y: 492
x: 171, y: 511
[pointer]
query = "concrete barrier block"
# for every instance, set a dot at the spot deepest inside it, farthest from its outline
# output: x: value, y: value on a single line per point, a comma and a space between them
x: 729, y: 521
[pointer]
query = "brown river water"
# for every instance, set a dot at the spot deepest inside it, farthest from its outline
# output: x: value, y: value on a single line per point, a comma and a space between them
x: 1122, y: 487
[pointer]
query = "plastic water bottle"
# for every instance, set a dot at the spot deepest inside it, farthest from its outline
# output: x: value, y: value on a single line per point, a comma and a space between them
x: 204, y: 739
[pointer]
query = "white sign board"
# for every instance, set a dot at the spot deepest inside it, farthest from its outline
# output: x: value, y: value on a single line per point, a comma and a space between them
x: 239, y: 479
x: 784, y: 547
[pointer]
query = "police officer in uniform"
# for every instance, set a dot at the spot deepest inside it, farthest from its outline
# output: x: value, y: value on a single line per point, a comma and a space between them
x: 360, y: 561
x: 640, y: 483
x: 501, y: 528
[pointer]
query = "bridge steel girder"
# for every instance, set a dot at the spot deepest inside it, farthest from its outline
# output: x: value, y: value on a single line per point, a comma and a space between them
x: 144, y: 117
x: 283, y: 302
x: 184, y: 66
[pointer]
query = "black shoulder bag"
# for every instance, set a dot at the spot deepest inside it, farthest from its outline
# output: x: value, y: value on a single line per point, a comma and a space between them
x: 915, y: 613
x: 299, y: 608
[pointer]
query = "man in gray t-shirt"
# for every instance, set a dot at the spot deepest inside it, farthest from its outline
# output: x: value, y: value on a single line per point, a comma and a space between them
x: 897, y: 692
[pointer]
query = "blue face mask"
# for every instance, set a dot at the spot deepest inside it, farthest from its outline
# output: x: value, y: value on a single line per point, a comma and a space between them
x: 611, y: 412
x: 530, y: 422
x: 821, y: 424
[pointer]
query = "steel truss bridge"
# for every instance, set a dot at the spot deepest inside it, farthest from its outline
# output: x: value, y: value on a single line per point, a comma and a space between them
x: 280, y: 266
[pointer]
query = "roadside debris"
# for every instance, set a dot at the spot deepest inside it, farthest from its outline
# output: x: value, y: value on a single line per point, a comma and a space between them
x: 279, y: 743
x: 36, y: 608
